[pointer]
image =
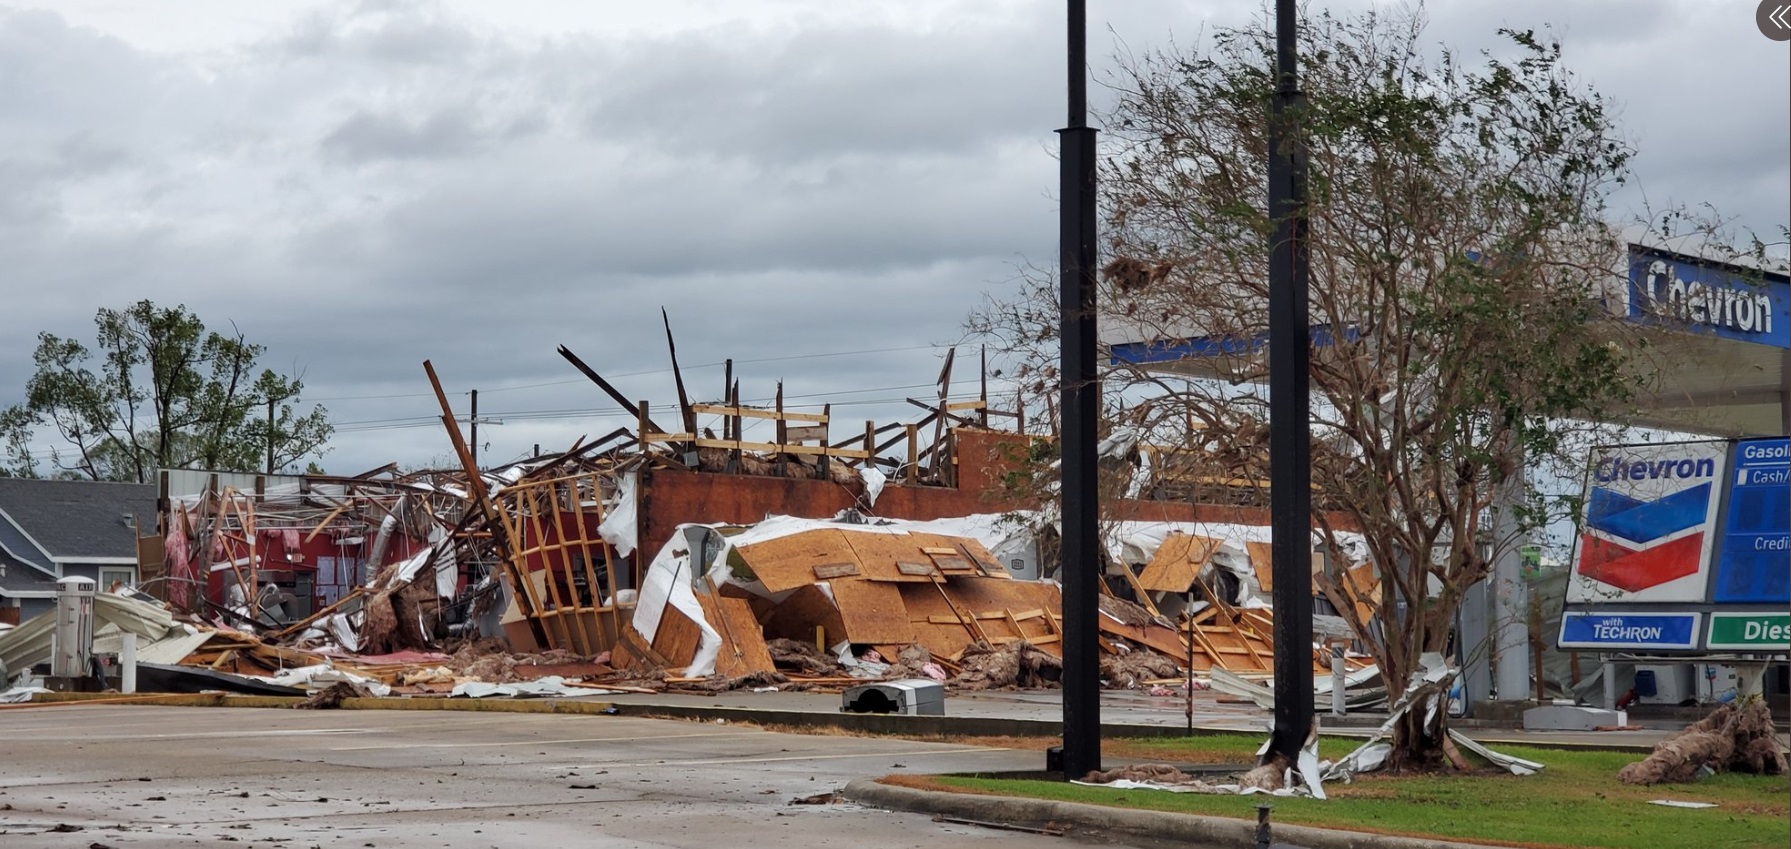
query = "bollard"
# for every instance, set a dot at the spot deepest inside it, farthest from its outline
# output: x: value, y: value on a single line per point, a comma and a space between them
x: 1263, y: 839
x: 1337, y: 684
x: 127, y: 663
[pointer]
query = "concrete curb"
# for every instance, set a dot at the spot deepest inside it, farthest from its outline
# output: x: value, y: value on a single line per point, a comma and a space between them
x: 869, y: 723
x: 1188, y: 829
x: 980, y: 726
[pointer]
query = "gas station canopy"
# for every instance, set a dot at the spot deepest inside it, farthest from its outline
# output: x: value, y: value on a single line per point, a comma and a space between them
x: 1719, y: 347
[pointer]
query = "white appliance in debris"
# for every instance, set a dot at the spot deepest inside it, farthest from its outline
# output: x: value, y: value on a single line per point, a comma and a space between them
x: 915, y: 696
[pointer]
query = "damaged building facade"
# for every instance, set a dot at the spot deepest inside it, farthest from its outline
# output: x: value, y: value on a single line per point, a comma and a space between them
x: 686, y: 553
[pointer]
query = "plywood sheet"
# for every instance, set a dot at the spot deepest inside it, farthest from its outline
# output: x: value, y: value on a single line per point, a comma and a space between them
x: 963, y: 547
x: 881, y: 556
x: 633, y: 650
x: 935, y: 626
x: 872, y: 611
x: 789, y: 562
x: 973, y: 593
x: 947, y: 641
x: 1366, y: 590
x: 1262, y: 560
x: 1176, y: 562
x: 677, y: 638
x: 743, y: 649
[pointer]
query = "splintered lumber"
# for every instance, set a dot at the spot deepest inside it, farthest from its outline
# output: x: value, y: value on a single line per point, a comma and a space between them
x: 618, y: 397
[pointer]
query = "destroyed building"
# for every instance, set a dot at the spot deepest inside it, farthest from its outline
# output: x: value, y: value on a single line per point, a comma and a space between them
x: 679, y: 546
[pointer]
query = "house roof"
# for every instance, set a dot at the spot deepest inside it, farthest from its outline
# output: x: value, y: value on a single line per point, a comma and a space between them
x: 27, y: 584
x: 75, y: 520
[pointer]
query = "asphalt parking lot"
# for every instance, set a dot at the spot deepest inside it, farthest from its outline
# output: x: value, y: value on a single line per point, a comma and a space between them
x: 133, y: 776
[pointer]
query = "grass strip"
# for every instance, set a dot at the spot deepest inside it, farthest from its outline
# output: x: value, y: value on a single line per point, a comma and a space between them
x: 1575, y: 802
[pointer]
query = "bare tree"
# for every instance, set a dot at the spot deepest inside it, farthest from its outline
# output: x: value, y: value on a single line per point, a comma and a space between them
x: 1461, y: 266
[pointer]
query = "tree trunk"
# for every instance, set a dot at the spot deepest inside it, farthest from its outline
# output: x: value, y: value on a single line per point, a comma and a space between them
x: 1417, y: 744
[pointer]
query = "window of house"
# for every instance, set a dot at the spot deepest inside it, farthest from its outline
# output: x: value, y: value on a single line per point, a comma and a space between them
x: 125, y: 575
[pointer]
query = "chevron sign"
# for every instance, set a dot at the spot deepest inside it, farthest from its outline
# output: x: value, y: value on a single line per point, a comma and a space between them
x: 1649, y: 523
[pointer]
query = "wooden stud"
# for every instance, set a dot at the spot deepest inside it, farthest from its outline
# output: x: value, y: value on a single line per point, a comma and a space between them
x: 913, y: 454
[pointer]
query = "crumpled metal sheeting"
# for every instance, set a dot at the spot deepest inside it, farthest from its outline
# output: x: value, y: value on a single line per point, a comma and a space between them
x: 1373, y: 753
x: 29, y: 644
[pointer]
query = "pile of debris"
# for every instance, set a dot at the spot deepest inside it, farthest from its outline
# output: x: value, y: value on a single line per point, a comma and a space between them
x: 835, y: 601
x: 543, y: 555
x: 1733, y: 738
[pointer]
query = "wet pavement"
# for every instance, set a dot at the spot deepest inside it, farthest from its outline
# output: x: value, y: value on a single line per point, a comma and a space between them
x: 1123, y: 712
x: 134, y: 776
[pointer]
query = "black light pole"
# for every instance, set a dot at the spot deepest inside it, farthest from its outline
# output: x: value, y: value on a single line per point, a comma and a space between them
x: 1081, y: 561
x: 1290, y: 443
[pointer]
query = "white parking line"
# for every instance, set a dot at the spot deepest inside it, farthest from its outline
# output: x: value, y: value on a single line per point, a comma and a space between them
x: 540, y: 742
x: 201, y: 735
x: 757, y: 759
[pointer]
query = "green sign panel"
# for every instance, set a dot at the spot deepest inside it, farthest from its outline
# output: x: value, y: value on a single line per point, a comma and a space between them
x: 1757, y: 631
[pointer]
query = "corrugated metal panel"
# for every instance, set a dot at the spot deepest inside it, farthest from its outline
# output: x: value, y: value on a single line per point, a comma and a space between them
x: 183, y: 482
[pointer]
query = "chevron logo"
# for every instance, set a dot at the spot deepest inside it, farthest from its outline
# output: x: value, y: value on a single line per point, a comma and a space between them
x: 1634, y: 569
x: 1620, y: 546
x: 1642, y: 521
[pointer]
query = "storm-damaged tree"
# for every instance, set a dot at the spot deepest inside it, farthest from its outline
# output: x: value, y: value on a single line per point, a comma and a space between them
x: 1460, y: 263
x: 159, y: 391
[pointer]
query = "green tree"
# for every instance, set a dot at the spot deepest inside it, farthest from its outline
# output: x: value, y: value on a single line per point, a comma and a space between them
x: 1460, y: 261
x: 158, y: 390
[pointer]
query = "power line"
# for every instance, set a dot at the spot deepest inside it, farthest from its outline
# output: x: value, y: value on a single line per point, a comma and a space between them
x: 570, y: 381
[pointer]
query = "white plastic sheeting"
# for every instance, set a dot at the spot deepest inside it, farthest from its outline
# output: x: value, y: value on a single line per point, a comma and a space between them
x: 874, y: 479
x: 440, y: 556
x: 667, y: 583
x: 1197, y: 787
x: 619, y: 524
x: 18, y: 695
x: 321, y: 675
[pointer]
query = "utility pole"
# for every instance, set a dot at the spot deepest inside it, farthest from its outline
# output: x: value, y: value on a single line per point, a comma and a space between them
x: 271, y: 400
x: 1081, y: 560
x: 1290, y: 426
x: 473, y: 422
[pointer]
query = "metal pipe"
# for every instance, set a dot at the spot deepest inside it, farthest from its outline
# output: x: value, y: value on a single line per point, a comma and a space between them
x: 1337, y: 682
x: 1290, y: 441
x: 1081, y: 559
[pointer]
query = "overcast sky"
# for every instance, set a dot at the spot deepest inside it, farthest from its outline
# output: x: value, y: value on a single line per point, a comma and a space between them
x: 820, y: 190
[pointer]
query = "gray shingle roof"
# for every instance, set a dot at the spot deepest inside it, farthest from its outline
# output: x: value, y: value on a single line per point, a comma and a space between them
x: 79, y: 519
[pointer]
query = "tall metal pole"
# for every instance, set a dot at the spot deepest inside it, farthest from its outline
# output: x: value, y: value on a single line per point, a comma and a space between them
x: 473, y: 420
x: 1081, y: 561
x: 270, y: 434
x: 1290, y: 440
